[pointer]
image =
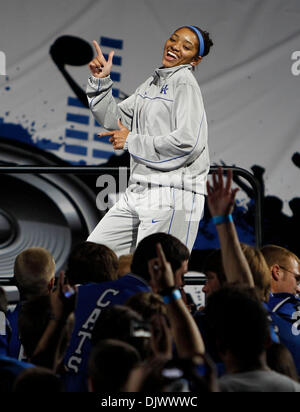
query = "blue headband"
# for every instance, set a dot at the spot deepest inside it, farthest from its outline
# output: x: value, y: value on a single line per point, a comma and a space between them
x: 200, y: 38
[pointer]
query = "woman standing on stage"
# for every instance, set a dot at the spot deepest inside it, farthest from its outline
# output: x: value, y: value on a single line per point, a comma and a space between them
x: 164, y: 128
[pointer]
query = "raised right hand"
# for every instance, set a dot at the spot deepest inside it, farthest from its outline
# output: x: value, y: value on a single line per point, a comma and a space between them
x: 100, y: 67
x: 160, y: 270
x: 221, y: 196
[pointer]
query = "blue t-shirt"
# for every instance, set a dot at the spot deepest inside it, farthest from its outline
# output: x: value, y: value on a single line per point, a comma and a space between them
x: 285, y: 312
x: 92, y: 299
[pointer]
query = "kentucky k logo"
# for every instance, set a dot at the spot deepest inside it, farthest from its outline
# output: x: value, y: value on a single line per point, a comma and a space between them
x: 164, y: 89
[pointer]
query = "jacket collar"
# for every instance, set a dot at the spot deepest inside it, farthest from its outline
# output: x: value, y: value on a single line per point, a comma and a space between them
x: 164, y: 73
x: 284, y: 296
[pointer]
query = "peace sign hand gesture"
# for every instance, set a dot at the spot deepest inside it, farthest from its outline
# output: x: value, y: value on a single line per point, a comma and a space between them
x: 100, y: 67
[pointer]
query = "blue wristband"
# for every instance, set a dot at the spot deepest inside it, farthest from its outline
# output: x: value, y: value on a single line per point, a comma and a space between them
x: 218, y: 220
x: 175, y: 295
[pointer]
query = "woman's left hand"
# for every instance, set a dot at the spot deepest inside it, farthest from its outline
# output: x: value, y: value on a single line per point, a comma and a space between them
x: 118, y: 137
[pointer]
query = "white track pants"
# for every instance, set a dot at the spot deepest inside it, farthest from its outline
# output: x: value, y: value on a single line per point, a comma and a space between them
x: 142, y: 211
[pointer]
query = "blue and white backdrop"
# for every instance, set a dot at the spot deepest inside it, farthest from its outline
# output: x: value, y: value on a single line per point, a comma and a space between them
x: 250, y: 81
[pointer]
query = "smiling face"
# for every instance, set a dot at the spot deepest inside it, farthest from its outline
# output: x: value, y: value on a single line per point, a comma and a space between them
x: 181, y: 48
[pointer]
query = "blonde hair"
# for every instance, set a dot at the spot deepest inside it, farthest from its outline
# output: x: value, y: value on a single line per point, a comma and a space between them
x: 278, y: 255
x: 259, y: 269
x: 33, y: 270
x: 124, y: 264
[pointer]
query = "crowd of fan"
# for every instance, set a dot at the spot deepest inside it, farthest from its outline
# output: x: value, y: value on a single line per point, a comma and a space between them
x: 112, y: 324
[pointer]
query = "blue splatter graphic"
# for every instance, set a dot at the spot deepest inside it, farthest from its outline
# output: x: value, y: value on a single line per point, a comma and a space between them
x: 17, y: 132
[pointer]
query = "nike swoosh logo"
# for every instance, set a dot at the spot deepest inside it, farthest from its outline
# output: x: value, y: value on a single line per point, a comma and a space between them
x: 155, y: 221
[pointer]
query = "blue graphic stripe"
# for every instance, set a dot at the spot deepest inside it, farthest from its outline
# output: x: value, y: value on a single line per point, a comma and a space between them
x: 102, y: 154
x: 75, y: 149
x: 77, y: 162
x: 188, y: 232
x: 75, y: 102
x: 172, y: 217
x: 96, y: 123
x: 115, y: 76
x: 77, y: 134
x: 48, y: 145
x: 78, y: 118
x: 112, y: 43
x: 117, y: 60
x: 177, y: 157
x: 115, y: 92
x: 104, y: 139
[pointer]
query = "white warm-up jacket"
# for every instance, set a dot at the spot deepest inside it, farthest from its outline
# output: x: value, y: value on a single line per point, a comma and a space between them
x: 168, y: 127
